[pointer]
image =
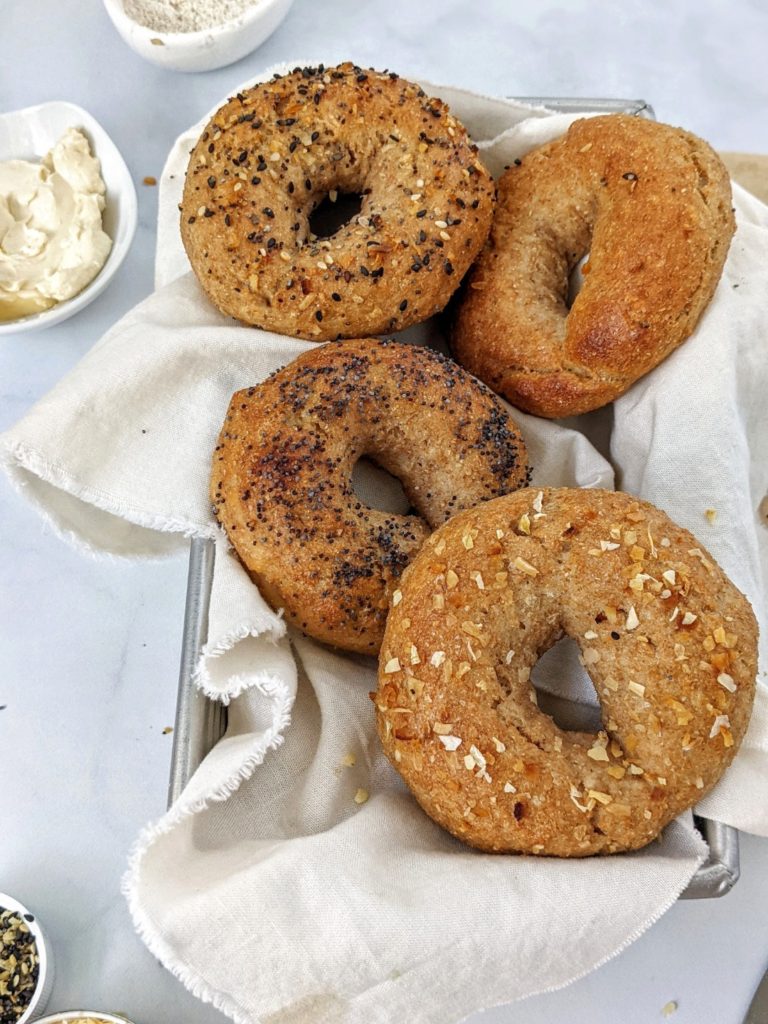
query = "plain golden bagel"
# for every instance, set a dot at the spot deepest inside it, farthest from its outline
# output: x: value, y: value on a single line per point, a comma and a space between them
x: 273, y: 153
x: 651, y: 205
x: 282, y: 476
x: 668, y: 640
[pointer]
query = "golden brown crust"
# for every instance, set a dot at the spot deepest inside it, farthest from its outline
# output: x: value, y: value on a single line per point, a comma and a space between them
x: 272, y: 153
x: 282, y: 476
x: 651, y: 205
x: 669, y: 642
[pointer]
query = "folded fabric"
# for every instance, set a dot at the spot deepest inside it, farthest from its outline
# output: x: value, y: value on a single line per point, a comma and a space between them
x: 268, y: 888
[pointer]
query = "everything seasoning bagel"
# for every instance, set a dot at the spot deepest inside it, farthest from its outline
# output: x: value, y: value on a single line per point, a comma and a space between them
x: 668, y: 640
x: 282, y: 476
x: 272, y: 154
x: 651, y: 205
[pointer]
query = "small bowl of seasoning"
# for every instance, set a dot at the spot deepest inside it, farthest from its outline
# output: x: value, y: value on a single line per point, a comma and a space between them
x: 68, y: 214
x: 26, y: 969
x: 198, y: 35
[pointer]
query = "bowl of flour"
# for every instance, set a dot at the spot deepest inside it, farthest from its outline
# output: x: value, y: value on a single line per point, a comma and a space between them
x: 195, y: 35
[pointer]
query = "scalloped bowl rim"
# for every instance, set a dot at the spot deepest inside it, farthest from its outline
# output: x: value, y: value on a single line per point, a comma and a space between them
x: 89, y: 1015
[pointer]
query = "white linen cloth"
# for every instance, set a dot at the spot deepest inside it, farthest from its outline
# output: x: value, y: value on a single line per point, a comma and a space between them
x: 267, y: 889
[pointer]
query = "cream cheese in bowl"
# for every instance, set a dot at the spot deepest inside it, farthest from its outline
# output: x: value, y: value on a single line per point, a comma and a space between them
x: 52, y: 243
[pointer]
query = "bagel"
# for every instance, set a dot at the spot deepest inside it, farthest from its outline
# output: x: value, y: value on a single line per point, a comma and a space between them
x: 269, y: 157
x: 651, y: 205
x: 669, y: 642
x: 282, y: 476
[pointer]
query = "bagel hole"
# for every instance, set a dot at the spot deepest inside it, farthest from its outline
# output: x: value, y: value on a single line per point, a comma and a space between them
x: 575, y: 281
x: 564, y: 691
x: 330, y: 216
x: 378, y: 489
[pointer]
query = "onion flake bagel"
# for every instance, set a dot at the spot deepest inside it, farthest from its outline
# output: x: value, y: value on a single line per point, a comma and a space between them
x: 668, y: 640
x: 651, y: 205
x: 269, y: 157
x: 282, y: 476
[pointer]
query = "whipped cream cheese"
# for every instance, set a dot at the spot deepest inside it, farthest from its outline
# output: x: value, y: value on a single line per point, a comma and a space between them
x: 52, y: 243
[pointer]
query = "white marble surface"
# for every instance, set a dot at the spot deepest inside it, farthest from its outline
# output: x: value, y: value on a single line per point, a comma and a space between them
x: 89, y: 649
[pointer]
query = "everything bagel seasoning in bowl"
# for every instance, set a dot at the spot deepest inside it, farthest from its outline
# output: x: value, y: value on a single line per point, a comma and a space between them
x: 26, y: 970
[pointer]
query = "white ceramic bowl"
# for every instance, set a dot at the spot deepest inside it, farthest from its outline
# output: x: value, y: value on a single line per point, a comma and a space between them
x: 57, y: 1018
x: 30, y: 134
x: 45, y: 976
x: 210, y: 48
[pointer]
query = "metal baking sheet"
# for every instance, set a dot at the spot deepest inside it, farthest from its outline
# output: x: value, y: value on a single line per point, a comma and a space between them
x: 200, y: 722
